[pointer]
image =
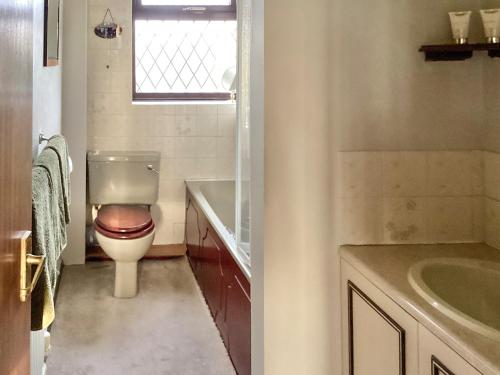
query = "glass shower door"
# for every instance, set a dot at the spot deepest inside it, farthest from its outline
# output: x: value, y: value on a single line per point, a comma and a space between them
x: 243, y: 175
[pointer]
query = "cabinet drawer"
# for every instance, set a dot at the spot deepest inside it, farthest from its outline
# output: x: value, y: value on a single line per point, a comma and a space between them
x: 436, y: 358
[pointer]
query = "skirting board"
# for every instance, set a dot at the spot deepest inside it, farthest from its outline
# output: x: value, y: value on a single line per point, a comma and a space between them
x: 95, y: 253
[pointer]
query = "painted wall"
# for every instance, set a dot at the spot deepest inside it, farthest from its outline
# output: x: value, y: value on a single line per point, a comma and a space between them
x: 47, y: 83
x: 196, y: 141
x: 74, y: 121
x: 385, y: 96
x: 298, y: 244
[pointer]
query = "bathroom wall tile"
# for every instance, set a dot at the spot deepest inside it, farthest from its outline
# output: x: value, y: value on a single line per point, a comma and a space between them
x: 120, y: 82
x: 172, y: 190
x: 107, y: 143
x: 492, y: 175
x: 179, y: 232
x: 187, y: 109
x: 360, y: 174
x: 228, y: 109
x: 102, y: 125
x: 492, y: 224
x: 145, y: 144
x: 185, y: 125
x: 206, y: 168
x: 225, y: 168
x: 108, y: 61
x: 169, y: 146
x: 404, y: 220
x: 227, y: 125
x: 449, y: 219
x: 478, y: 219
x: 167, y: 170
x: 184, y: 168
x: 99, y: 82
x: 175, y: 212
x: 151, y: 108
x: 449, y: 173
x: 360, y: 220
x: 185, y: 147
x: 206, y: 110
x: 206, y: 147
x: 155, y: 125
x: 477, y: 173
x: 226, y: 147
x: 207, y: 125
x: 404, y: 174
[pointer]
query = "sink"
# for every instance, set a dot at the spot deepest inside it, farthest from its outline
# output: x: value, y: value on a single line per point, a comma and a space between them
x: 465, y: 290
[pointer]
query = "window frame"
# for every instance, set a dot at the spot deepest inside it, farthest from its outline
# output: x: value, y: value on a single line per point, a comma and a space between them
x: 178, y: 12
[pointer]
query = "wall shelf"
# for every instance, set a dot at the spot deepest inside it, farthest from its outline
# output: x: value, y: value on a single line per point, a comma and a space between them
x: 458, y: 52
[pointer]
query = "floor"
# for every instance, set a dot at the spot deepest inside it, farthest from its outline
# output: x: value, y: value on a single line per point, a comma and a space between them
x: 166, y: 329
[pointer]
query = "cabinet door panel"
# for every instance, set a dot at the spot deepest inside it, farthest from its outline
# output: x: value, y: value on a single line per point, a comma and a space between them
x: 379, y: 337
x: 211, y: 276
x: 192, y: 233
x: 376, y: 341
x: 436, y: 358
x: 238, y: 320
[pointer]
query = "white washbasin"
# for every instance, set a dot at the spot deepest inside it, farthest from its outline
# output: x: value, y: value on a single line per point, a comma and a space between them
x: 465, y: 290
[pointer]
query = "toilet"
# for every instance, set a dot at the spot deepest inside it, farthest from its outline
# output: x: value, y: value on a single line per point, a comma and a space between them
x: 122, y: 187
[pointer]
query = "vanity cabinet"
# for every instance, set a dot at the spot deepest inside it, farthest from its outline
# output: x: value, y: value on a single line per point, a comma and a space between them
x: 436, y: 358
x: 224, y: 286
x: 380, y: 338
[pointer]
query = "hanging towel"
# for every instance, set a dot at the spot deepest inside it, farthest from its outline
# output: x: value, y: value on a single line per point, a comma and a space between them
x: 45, y: 242
x: 59, y: 145
x: 49, y: 160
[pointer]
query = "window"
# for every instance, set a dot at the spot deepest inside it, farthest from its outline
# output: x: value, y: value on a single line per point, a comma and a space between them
x: 182, y: 48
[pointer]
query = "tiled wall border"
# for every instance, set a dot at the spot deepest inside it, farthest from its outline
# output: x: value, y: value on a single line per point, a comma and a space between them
x: 410, y: 197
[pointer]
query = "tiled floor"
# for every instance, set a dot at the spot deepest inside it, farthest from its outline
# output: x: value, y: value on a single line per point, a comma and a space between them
x: 166, y: 329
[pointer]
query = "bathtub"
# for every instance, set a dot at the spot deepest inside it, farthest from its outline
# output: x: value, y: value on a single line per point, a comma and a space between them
x: 217, y: 200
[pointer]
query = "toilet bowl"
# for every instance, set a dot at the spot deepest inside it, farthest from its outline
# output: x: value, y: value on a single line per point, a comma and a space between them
x: 122, y: 187
x: 125, y: 233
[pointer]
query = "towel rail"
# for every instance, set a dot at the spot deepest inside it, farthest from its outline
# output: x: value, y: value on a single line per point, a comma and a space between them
x: 42, y: 138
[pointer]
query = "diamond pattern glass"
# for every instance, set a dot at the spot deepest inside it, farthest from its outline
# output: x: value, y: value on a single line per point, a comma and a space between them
x: 183, y: 56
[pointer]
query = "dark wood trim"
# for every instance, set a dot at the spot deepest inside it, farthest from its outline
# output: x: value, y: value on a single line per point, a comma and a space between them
x: 178, y: 96
x: 157, y: 252
x: 438, y: 368
x: 352, y: 288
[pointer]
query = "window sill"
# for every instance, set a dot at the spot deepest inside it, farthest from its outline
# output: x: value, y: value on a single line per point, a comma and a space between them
x: 181, y: 102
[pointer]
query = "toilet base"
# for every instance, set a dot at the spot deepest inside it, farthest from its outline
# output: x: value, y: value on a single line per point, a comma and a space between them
x: 125, y: 279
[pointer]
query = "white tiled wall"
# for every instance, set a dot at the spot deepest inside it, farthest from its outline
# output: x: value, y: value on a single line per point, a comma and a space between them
x: 196, y: 141
x: 410, y: 197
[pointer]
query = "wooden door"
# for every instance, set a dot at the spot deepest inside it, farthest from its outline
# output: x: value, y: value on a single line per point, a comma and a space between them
x: 16, y: 85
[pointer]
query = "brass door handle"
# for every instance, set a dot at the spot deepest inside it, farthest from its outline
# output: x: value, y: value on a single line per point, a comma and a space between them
x: 28, y: 260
